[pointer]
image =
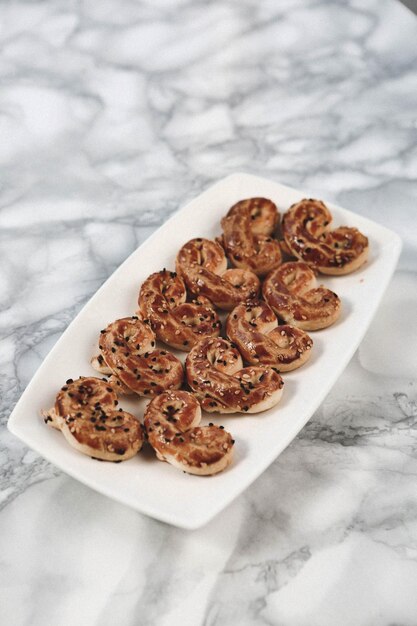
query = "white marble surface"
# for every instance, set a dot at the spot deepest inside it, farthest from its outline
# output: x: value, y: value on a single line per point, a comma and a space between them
x: 112, y: 114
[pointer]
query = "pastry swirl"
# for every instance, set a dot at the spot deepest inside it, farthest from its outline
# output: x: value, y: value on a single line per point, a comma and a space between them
x: 292, y: 294
x: 172, y: 423
x: 306, y: 230
x: 127, y: 350
x: 202, y: 264
x: 253, y: 327
x: 215, y: 373
x: 176, y: 322
x: 86, y: 414
x: 247, y: 240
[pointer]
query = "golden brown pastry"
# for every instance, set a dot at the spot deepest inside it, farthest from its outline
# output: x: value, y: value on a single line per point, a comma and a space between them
x: 127, y: 351
x: 306, y: 230
x: 292, y: 293
x: 176, y: 322
x: 247, y: 230
x: 172, y: 423
x: 215, y: 373
x: 202, y: 264
x: 86, y: 414
x: 253, y: 327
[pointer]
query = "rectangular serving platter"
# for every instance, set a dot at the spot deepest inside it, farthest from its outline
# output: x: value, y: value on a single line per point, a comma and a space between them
x: 158, y: 489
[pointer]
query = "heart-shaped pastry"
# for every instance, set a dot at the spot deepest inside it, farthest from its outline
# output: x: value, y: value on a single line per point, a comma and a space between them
x: 203, y: 266
x: 86, y: 414
x: 172, y: 423
x: 253, y: 327
x: 176, y: 322
x: 127, y: 351
x: 247, y: 240
x: 306, y: 230
x: 215, y: 373
x: 291, y: 291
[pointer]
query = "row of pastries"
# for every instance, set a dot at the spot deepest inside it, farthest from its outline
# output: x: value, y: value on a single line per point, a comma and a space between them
x: 263, y: 272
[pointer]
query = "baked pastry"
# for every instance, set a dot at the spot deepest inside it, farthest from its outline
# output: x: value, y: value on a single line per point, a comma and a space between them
x: 306, y: 230
x: 203, y: 266
x: 172, y: 423
x: 292, y: 294
x: 176, y: 322
x: 215, y: 373
x: 247, y: 240
x: 253, y: 327
x: 127, y: 351
x: 86, y: 414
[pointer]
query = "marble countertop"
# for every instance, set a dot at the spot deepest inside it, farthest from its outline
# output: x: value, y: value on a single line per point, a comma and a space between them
x: 112, y: 115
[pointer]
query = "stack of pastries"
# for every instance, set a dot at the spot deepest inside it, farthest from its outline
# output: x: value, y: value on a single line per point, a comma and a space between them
x: 268, y: 287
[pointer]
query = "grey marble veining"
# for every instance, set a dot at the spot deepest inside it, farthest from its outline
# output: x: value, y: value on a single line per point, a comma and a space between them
x: 112, y: 115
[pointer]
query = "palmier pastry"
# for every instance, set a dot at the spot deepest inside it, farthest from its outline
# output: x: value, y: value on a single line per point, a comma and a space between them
x: 215, y: 373
x: 253, y: 327
x: 127, y: 350
x: 86, y: 414
x: 306, y: 229
x: 202, y: 264
x: 172, y: 423
x: 291, y: 292
x: 180, y: 324
x: 247, y: 230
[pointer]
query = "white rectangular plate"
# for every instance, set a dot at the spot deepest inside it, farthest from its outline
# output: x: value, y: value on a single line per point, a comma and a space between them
x: 158, y: 489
